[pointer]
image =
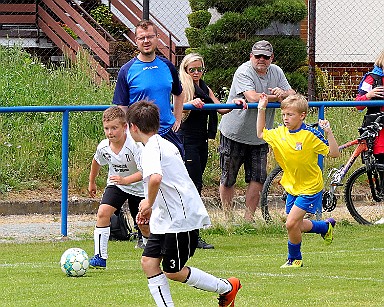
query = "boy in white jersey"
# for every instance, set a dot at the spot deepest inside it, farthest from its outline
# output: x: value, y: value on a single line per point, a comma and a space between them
x: 121, y: 153
x: 296, y: 148
x: 175, y: 213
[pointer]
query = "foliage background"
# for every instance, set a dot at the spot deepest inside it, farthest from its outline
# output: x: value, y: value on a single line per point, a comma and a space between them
x: 30, y: 143
x: 226, y: 43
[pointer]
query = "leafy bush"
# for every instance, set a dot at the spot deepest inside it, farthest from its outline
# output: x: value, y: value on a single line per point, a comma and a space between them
x: 194, y: 37
x: 229, y: 55
x: 219, y: 78
x: 298, y: 82
x: 223, y: 6
x: 291, y: 11
x: 104, y: 17
x: 290, y: 53
x: 69, y: 30
x: 198, y: 5
x: 319, y: 79
x: 232, y: 24
x: 223, y: 30
x: 199, y: 19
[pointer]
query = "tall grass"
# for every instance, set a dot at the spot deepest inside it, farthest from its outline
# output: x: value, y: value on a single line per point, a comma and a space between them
x: 30, y: 143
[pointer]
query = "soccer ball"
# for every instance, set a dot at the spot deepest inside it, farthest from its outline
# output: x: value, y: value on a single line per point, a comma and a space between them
x: 74, y: 262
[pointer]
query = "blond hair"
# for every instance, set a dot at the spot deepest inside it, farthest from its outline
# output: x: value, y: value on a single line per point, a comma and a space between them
x: 113, y: 113
x: 185, y: 78
x: 380, y: 60
x: 297, y: 101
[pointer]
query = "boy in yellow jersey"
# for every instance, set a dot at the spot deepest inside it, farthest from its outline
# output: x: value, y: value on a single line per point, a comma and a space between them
x: 296, y: 147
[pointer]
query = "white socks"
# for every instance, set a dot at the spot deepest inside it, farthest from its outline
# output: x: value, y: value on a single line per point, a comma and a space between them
x: 159, y: 288
x: 204, y: 281
x: 101, y: 237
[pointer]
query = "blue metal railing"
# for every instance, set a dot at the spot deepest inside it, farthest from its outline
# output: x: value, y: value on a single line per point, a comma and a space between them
x: 65, y: 131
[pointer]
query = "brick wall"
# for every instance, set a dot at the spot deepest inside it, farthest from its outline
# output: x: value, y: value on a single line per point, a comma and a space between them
x: 348, y: 73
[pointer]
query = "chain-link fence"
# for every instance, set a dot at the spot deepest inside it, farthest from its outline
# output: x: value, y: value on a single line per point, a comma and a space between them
x: 348, y: 35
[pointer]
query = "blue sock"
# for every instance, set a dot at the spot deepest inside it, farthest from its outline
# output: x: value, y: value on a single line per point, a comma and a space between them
x: 319, y: 227
x: 294, y: 251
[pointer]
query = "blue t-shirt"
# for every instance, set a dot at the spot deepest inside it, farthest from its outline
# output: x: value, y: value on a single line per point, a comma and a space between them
x: 154, y: 81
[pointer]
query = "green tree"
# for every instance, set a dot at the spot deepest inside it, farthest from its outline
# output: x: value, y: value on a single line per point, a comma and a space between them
x: 226, y: 43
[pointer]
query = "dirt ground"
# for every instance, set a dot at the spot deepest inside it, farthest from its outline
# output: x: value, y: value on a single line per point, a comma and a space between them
x: 42, y: 227
x: 26, y: 195
x: 47, y: 227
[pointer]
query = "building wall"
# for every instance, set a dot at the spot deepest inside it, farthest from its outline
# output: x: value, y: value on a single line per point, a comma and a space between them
x: 349, y: 30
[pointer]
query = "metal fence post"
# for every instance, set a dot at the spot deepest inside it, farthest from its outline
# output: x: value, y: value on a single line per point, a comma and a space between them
x: 146, y: 10
x: 64, y: 173
x: 311, y: 49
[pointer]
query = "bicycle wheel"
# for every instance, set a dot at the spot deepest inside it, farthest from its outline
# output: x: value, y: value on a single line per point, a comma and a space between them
x: 273, y: 197
x: 358, y: 196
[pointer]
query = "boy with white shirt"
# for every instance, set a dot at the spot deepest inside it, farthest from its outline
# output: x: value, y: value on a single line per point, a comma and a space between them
x: 121, y: 153
x: 175, y: 213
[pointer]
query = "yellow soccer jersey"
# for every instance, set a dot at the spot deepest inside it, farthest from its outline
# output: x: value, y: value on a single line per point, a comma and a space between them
x: 297, y: 154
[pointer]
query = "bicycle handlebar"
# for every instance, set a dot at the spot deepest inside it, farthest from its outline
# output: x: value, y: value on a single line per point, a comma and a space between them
x: 372, y: 130
x: 369, y: 132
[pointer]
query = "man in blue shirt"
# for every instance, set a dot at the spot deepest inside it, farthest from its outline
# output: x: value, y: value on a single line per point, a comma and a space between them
x: 153, y: 78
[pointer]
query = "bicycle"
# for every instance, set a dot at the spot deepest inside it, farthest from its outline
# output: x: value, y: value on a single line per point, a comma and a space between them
x: 364, y: 188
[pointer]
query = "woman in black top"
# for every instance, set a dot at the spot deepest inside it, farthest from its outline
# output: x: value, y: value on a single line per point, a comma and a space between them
x: 198, y: 125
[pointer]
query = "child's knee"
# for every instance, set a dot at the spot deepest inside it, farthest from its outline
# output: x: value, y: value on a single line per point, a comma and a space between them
x: 178, y: 276
x: 290, y: 225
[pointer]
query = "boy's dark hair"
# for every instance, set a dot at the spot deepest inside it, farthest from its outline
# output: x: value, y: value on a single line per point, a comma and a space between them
x: 145, y: 115
x: 113, y: 113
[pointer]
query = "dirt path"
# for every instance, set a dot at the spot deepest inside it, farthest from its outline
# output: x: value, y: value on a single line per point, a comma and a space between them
x: 37, y: 227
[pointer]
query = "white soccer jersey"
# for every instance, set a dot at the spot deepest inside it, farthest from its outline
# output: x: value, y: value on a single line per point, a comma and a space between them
x: 178, y: 206
x: 124, y: 163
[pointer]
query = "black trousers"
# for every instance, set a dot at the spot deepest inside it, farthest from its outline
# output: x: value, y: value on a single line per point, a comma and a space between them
x: 195, y: 157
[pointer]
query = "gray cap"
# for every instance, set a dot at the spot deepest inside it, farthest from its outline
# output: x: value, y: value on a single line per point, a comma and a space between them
x: 262, y: 47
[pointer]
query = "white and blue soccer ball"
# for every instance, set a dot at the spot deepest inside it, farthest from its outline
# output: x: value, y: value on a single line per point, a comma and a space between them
x: 74, y: 262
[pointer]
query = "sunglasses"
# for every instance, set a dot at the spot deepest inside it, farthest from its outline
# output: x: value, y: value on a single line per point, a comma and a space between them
x: 258, y: 56
x: 194, y: 69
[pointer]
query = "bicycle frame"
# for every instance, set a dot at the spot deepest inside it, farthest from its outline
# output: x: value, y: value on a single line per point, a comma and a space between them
x: 339, y: 174
x: 364, y: 186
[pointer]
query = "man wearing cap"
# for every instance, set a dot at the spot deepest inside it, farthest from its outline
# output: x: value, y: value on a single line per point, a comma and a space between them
x: 238, y: 141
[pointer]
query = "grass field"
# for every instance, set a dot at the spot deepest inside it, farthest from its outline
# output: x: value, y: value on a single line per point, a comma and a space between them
x: 349, y: 272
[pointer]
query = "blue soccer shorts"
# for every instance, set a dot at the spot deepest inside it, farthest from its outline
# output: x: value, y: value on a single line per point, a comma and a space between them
x: 308, y: 203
